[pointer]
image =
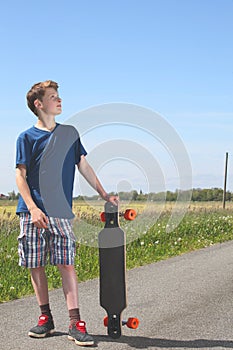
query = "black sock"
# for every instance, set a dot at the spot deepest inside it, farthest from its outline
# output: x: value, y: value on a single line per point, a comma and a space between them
x: 45, y: 310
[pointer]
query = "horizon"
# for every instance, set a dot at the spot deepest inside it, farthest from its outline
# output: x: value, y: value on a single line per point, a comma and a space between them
x: 139, y: 192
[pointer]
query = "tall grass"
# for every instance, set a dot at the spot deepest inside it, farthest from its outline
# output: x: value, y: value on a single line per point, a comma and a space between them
x: 202, y: 226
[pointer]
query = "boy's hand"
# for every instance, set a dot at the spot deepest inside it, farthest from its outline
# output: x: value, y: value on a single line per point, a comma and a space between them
x: 113, y: 199
x: 39, y: 219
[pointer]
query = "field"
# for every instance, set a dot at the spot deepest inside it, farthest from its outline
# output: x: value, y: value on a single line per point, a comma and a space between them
x: 204, y: 224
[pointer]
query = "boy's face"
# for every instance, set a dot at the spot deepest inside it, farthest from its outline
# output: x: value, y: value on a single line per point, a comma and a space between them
x: 51, y: 102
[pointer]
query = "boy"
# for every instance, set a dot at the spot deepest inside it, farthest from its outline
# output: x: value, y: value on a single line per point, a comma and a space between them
x: 44, y: 206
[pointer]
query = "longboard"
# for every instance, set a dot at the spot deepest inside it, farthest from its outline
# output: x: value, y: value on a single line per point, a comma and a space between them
x: 113, y: 270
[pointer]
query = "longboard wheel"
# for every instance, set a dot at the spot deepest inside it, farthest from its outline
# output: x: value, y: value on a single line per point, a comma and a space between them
x: 103, y: 217
x: 130, y: 214
x: 106, y: 321
x: 132, y: 322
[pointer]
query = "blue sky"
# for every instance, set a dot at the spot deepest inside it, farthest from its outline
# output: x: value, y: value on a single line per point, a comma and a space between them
x: 172, y: 56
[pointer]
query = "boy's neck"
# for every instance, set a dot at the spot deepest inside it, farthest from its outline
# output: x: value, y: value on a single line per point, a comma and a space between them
x: 46, y: 123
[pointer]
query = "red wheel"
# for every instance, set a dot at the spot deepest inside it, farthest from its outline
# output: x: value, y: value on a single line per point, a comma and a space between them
x: 132, y: 322
x: 102, y: 217
x: 106, y: 321
x: 130, y: 214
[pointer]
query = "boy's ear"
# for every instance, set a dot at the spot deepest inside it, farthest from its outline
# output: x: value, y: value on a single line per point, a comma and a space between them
x: 37, y: 103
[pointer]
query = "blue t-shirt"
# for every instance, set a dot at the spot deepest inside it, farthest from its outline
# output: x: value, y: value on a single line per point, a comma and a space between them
x: 50, y: 159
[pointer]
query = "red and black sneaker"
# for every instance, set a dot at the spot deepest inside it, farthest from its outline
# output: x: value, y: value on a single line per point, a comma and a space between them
x: 78, y: 333
x: 44, y: 327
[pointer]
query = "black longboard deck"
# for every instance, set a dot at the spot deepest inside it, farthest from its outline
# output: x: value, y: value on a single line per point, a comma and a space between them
x: 112, y: 270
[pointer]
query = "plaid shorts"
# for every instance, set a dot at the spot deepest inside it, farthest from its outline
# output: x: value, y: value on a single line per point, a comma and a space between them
x: 35, y: 244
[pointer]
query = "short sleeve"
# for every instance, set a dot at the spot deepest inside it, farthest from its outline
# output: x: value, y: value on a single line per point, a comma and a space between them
x: 23, y: 151
x: 80, y: 151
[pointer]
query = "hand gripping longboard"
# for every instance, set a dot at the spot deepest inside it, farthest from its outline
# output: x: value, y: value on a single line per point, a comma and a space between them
x: 112, y: 270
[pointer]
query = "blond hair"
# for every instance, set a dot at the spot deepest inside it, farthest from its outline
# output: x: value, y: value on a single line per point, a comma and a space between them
x: 37, y: 91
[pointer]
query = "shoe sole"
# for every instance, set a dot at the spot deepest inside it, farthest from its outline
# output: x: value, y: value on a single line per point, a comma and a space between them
x: 87, y: 343
x: 43, y: 335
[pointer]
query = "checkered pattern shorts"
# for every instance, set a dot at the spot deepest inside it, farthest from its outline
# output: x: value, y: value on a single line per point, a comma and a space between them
x: 35, y: 244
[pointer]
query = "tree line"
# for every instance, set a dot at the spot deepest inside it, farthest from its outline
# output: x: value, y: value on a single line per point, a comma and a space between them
x: 198, y: 195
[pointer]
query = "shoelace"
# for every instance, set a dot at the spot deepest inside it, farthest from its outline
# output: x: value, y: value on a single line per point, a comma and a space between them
x: 81, y: 326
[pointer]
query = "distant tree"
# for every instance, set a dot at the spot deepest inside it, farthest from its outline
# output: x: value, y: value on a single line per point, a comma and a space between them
x: 171, y: 196
x: 210, y: 194
x: 12, y: 195
x: 142, y: 197
x: 134, y: 195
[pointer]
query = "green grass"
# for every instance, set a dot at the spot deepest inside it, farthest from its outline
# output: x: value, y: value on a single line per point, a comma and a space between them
x: 196, y: 230
x: 199, y: 228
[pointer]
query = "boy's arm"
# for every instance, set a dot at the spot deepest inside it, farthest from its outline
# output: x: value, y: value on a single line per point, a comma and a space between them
x: 88, y: 173
x: 38, y: 217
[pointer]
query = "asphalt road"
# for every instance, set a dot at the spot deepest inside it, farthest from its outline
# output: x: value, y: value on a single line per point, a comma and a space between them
x: 183, y: 303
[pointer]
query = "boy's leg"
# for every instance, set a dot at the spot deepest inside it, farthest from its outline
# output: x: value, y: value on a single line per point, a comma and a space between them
x: 32, y: 248
x: 77, y: 328
x: 62, y: 254
x: 70, y: 285
x: 40, y: 285
x: 45, y: 325
x: 70, y: 289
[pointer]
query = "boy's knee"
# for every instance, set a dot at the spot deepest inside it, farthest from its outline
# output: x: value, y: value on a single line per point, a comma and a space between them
x: 65, y: 267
